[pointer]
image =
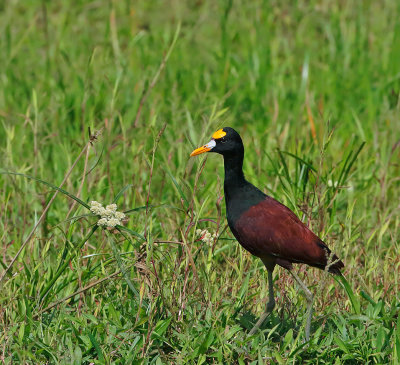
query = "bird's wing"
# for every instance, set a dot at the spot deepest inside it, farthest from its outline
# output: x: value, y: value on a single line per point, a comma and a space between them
x: 269, y: 228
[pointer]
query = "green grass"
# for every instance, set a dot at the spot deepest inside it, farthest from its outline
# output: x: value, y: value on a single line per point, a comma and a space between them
x: 313, y: 88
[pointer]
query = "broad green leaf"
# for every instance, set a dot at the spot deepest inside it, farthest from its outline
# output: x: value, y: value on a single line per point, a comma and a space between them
x: 353, y: 299
x: 161, y: 327
x: 96, y: 346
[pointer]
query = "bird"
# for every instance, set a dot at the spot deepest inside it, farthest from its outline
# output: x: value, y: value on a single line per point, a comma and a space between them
x: 265, y: 227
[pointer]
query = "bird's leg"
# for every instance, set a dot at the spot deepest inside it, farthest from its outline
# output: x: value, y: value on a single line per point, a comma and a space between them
x: 310, y: 297
x: 270, y: 304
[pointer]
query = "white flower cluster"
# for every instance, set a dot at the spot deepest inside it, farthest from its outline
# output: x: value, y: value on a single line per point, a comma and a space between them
x: 332, y: 184
x: 206, y: 236
x: 109, y: 215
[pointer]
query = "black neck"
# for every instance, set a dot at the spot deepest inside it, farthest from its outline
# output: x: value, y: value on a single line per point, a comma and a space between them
x: 240, y: 195
x: 234, y: 177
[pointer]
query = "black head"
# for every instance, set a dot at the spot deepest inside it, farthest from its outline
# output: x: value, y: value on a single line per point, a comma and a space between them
x: 225, y: 141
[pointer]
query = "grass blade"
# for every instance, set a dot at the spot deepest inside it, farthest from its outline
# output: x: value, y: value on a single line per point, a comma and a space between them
x: 96, y: 346
x: 178, y: 188
x: 121, y: 192
x: 351, y: 158
x: 133, y: 233
x: 353, y: 299
x: 124, y: 271
x: 141, y: 208
x: 61, y: 269
x: 52, y: 186
x: 311, y: 167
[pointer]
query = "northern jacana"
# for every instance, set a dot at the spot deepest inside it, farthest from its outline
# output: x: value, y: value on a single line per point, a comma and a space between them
x: 265, y: 227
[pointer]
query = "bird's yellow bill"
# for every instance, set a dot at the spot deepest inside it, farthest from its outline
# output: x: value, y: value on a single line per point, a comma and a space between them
x: 207, y: 147
x: 200, y: 150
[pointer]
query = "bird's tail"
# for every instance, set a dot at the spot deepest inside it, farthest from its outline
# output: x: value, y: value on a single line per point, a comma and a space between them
x: 334, y: 264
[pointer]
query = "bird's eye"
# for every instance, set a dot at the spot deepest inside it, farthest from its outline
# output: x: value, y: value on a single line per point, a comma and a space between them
x: 223, y: 140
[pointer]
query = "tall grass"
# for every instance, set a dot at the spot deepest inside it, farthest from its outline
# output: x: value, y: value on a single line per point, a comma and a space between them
x: 313, y: 88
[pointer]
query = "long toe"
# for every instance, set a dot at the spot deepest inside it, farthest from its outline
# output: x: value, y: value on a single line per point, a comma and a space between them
x: 259, y: 323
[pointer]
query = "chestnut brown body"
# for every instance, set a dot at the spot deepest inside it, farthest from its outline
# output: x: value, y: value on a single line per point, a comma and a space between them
x: 273, y: 232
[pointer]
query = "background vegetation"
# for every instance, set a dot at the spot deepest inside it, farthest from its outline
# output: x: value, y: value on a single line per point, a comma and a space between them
x: 306, y: 83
